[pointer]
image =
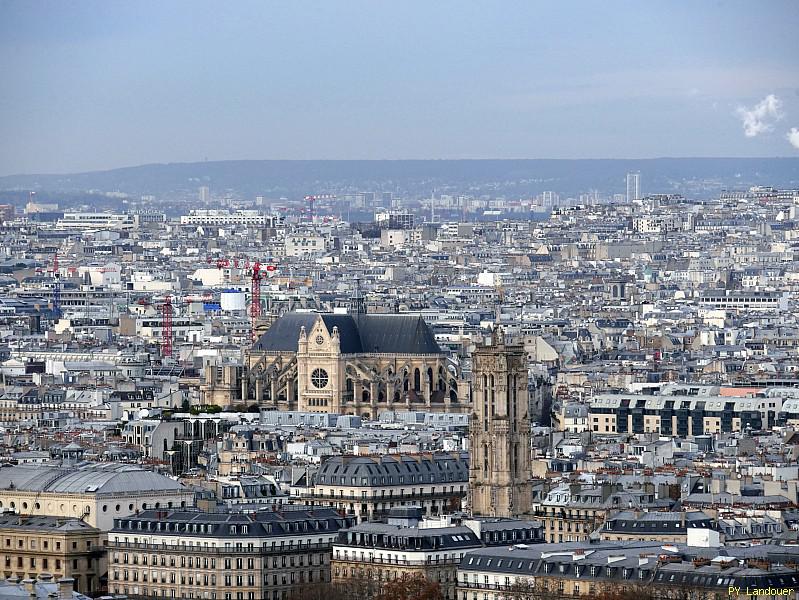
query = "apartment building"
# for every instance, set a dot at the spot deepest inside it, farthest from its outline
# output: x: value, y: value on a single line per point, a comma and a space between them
x: 96, y: 220
x: 407, y: 546
x: 648, y: 568
x: 221, y: 555
x: 655, y: 526
x: 400, y: 548
x: 222, y: 218
x: 62, y: 548
x: 571, y: 512
x: 370, y: 486
x: 682, y: 415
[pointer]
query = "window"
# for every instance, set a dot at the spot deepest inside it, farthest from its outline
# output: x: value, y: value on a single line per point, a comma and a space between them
x: 319, y: 378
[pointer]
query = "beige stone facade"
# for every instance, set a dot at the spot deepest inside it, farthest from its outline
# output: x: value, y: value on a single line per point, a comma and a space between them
x: 342, y: 364
x: 220, y: 556
x: 63, y: 548
x: 500, y: 469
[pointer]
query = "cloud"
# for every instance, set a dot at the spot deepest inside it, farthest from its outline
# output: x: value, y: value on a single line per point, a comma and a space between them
x: 793, y: 137
x: 762, y: 116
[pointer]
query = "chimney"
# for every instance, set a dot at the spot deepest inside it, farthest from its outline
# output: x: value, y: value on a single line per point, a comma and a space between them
x: 65, y: 588
x: 607, y: 490
x: 30, y: 587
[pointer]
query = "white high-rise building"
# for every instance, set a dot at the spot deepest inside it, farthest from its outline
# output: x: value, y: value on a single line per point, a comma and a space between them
x: 205, y: 194
x: 633, y: 186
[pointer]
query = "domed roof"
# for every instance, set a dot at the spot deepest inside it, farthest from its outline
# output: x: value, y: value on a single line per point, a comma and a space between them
x: 99, y: 478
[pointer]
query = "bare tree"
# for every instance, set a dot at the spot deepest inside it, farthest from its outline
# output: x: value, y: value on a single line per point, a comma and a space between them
x: 411, y: 587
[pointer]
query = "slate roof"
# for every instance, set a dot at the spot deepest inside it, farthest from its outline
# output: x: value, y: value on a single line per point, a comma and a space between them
x: 99, y: 478
x: 43, y: 522
x: 391, y: 333
x: 395, y: 537
x: 635, y: 561
x: 387, y: 470
x: 631, y: 522
x: 228, y: 524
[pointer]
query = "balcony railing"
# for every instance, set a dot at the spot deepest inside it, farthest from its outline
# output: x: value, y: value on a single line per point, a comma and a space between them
x: 395, y: 561
x: 423, y: 496
x: 175, y: 548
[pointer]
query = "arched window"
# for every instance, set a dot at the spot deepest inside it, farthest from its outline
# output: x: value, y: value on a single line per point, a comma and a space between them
x: 417, y: 380
x: 491, y: 392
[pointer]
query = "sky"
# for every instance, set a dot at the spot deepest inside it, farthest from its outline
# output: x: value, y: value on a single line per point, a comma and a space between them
x: 91, y: 85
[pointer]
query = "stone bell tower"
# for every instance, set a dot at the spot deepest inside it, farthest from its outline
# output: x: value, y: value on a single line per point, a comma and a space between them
x: 500, y: 465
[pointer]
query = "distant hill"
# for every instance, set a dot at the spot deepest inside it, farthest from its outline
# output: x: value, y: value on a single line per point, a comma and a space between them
x: 512, y: 178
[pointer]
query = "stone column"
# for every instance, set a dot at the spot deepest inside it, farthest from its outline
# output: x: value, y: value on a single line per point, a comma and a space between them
x: 357, y: 392
x: 290, y: 393
x: 259, y: 389
x: 430, y: 387
x: 373, y: 397
x: 390, y: 393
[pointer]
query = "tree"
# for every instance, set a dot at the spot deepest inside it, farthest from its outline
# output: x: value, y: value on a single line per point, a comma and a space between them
x: 529, y: 589
x: 411, y: 587
x: 353, y: 588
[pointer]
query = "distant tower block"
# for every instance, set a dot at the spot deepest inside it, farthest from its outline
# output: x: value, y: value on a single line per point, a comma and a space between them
x: 633, y: 187
x: 500, y: 469
x: 166, y: 327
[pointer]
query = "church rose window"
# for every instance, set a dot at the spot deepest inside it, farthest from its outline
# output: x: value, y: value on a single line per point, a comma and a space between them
x: 319, y: 378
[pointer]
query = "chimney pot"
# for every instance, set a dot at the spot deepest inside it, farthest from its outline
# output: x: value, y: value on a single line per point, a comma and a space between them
x: 65, y: 588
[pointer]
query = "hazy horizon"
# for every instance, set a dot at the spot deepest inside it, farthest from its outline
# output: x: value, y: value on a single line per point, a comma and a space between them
x: 93, y: 86
x: 401, y: 159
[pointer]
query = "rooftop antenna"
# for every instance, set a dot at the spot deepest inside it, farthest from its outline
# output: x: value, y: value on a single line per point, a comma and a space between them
x: 357, y: 304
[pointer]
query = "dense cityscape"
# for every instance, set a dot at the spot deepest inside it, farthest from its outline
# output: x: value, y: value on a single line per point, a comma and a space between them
x: 379, y: 300
x: 480, y: 397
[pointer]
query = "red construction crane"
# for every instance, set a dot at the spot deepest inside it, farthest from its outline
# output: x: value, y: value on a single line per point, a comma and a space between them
x: 259, y: 271
x: 166, y: 327
x: 314, y: 198
x: 224, y: 263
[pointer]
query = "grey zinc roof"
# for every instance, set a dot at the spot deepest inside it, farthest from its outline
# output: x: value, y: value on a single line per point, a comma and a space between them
x: 611, y: 560
x: 101, y: 478
x: 283, y: 334
x: 399, y: 334
x: 431, y: 469
x: 380, y: 535
x: 260, y: 524
x: 43, y: 522
x: 43, y: 590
